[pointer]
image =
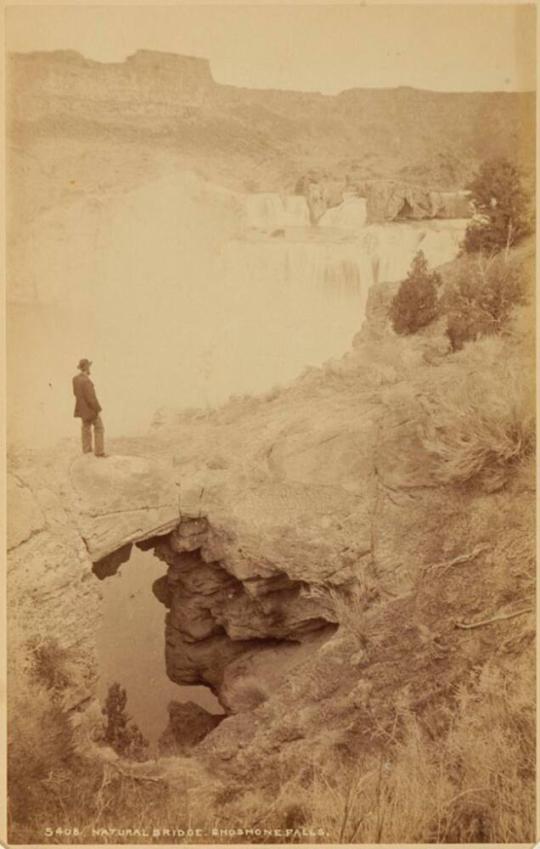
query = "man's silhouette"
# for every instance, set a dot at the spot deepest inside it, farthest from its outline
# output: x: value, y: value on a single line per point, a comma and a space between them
x: 87, y: 408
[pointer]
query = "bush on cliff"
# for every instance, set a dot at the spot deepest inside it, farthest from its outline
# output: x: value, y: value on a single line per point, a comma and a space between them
x: 480, y: 301
x: 416, y: 303
x: 479, y: 429
x: 42, y: 765
x: 502, y: 207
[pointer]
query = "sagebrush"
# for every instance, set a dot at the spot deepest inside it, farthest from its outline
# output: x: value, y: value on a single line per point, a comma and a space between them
x: 480, y: 300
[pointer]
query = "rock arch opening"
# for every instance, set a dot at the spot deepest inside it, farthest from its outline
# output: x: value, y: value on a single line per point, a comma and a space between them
x: 187, y: 635
x: 131, y: 652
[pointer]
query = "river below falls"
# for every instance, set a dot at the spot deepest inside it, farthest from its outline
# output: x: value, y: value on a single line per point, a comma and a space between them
x: 131, y: 647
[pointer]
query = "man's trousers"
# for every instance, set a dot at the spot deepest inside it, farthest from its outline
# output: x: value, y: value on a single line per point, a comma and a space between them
x: 86, y: 432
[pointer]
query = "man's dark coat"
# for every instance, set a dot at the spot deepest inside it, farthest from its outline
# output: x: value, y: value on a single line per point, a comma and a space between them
x: 87, y: 405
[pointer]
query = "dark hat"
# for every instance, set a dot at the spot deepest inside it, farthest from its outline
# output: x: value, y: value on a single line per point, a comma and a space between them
x: 84, y: 363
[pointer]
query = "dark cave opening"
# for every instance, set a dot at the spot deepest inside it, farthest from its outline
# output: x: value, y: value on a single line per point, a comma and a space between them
x: 186, y: 640
x: 131, y: 651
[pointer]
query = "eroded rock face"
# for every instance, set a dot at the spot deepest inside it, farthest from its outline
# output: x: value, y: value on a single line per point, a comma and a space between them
x: 390, y: 200
x: 65, y: 80
x: 120, y: 499
x: 215, y: 618
x: 72, y: 519
x: 375, y: 201
x: 188, y: 725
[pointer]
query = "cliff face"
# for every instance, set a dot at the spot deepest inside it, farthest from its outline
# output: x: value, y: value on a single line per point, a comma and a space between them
x: 383, y: 200
x: 170, y: 104
x: 147, y: 86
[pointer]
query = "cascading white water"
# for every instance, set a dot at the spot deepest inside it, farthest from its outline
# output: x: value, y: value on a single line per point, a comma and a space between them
x: 268, y: 211
x: 296, y: 212
x: 291, y: 304
x: 393, y: 246
x: 176, y: 309
x: 349, y: 215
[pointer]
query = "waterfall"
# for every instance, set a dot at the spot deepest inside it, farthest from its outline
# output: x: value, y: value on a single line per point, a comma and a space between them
x: 296, y: 212
x: 211, y: 313
x: 266, y: 211
x: 349, y: 215
x: 393, y: 246
x: 298, y: 298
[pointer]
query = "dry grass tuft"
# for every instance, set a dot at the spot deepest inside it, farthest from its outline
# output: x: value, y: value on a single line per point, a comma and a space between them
x: 346, y: 607
x: 473, y: 784
x: 479, y: 429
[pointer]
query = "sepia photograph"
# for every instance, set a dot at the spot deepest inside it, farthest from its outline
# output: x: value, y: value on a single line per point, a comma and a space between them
x: 270, y: 424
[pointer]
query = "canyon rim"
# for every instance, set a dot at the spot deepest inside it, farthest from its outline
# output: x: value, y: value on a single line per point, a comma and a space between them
x: 292, y: 597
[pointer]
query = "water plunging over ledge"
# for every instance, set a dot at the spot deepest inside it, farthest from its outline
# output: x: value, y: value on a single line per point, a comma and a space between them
x: 131, y: 646
x: 228, y: 295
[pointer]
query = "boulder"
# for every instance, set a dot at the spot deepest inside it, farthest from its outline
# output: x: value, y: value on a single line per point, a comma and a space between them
x: 121, y: 499
x: 188, y: 725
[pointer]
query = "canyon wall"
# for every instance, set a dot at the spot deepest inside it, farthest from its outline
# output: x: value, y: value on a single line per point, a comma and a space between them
x: 267, y: 139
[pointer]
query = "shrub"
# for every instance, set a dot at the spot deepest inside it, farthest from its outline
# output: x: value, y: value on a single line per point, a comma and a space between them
x: 121, y: 734
x: 480, y: 301
x: 502, y: 208
x: 49, y: 664
x: 479, y: 429
x: 416, y: 304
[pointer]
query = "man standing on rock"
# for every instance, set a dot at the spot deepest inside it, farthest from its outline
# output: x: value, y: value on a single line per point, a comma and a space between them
x: 87, y: 408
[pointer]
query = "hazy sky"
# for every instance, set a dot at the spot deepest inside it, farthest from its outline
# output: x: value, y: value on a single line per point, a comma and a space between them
x: 324, y: 48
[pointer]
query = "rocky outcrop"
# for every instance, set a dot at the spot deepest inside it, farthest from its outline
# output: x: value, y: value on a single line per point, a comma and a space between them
x: 119, y: 500
x: 452, y: 204
x: 355, y: 203
x: 188, y: 725
x: 389, y: 200
x: 71, y: 521
x: 60, y: 83
x: 215, y: 618
x: 317, y: 202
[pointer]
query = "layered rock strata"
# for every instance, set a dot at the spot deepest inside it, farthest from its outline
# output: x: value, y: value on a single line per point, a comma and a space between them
x: 188, y: 725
